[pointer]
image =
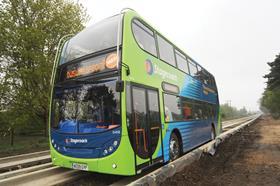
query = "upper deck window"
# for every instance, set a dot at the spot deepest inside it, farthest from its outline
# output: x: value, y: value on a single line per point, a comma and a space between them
x: 213, y: 83
x: 206, y: 78
x: 166, y: 52
x: 144, y: 37
x: 182, y: 62
x: 193, y: 68
x: 200, y: 74
x: 97, y: 37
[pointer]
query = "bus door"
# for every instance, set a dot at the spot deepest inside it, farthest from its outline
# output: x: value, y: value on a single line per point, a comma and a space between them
x: 147, y: 127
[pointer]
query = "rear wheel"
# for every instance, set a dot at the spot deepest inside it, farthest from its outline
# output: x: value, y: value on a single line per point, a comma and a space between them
x: 174, y: 147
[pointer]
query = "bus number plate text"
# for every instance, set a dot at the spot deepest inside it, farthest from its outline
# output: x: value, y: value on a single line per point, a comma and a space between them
x: 80, y: 166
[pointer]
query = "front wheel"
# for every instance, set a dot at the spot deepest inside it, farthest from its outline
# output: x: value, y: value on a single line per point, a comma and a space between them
x: 174, y: 147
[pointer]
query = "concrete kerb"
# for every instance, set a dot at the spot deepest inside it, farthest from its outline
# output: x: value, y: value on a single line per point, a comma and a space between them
x: 161, y: 174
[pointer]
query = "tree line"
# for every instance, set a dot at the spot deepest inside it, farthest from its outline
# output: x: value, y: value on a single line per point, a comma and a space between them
x: 270, y: 101
x: 29, y: 34
x: 231, y: 112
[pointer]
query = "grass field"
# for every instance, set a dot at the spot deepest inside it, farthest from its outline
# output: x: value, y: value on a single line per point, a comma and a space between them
x: 23, y: 144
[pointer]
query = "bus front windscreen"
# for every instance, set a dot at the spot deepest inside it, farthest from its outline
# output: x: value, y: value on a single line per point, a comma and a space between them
x: 98, y: 37
x: 86, y: 106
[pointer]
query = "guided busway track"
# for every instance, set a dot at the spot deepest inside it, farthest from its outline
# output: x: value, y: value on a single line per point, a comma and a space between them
x: 36, y: 169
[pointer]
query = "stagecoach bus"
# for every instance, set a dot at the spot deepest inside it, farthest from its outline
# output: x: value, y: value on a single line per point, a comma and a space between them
x: 125, y: 98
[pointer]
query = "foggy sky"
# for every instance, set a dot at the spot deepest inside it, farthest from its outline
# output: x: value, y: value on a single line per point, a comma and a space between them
x: 232, y: 39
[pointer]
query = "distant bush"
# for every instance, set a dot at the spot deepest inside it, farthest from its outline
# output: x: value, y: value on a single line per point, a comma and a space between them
x: 229, y: 112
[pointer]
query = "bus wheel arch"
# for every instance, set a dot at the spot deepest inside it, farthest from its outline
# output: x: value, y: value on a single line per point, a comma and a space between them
x: 175, y: 136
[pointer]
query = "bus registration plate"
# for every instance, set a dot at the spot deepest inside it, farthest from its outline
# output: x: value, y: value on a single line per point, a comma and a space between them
x: 80, y: 166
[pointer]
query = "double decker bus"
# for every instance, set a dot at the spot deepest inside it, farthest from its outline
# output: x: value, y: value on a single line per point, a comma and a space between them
x: 125, y: 98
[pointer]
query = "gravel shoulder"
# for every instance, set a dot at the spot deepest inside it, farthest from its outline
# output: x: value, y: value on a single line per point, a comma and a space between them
x: 251, y: 157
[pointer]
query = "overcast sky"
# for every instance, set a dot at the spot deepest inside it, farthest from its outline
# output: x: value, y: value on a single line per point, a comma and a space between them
x: 233, y: 39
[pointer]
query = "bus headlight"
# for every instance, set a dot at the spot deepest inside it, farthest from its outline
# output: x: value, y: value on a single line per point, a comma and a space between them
x: 115, y: 143
x: 110, y: 149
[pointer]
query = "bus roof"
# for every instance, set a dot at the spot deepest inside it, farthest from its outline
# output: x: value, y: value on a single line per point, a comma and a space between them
x: 135, y: 14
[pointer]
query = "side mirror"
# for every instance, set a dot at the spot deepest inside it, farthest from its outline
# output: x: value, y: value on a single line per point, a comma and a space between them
x: 119, y: 86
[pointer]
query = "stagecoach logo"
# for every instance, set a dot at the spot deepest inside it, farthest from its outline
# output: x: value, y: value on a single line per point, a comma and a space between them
x: 155, y: 69
x: 116, y: 132
x: 149, y: 67
x: 75, y: 141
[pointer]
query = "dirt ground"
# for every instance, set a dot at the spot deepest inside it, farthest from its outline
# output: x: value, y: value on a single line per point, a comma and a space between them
x: 251, y: 157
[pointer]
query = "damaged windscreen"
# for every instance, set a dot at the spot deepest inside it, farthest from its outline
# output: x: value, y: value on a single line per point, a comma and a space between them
x: 86, y: 106
x: 100, y: 36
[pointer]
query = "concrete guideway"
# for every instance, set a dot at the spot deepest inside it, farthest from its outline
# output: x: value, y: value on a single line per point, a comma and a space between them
x: 234, y: 123
x: 24, y: 171
x: 24, y: 156
x: 235, y: 120
x: 161, y: 174
x: 26, y: 162
x: 46, y: 174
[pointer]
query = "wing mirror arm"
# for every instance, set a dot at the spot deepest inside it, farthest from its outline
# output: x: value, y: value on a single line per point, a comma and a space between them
x: 126, y: 68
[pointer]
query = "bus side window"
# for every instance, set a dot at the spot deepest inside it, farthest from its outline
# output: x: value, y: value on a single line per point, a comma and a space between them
x: 172, y: 108
x: 193, y: 68
x: 144, y: 37
x: 205, y: 111
x: 166, y: 51
x: 212, y: 112
x: 198, y: 111
x: 209, y: 112
x: 168, y: 114
x: 200, y: 74
x: 187, y: 108
x: 182, y: 62
x: 206, y: 78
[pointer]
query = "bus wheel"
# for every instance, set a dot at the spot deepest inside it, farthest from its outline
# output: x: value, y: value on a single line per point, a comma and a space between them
x: 174, y: 147
x: 213, y: 134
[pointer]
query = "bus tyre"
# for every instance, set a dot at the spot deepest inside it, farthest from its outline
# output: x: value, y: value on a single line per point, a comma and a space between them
x: 213, y: 134
x: 174, y: 147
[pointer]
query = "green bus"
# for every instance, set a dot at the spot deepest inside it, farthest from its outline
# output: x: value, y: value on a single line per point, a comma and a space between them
x: 125, y: 98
